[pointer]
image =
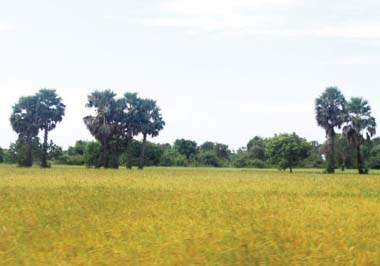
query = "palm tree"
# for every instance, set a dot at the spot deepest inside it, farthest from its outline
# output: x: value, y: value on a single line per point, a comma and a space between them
x: 330, y: 110
x: 130, y: 122
x: 50, y: 110
x: 103, y: 125
x: 24, y: 120
x: 360, y: 128
x: 151, y: 123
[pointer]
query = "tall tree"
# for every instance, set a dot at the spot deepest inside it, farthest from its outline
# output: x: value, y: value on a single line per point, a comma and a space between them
x: 330, y: 110
x: 1, y: 155
x: 256, y: 148
x: 50, y: 110
x: 24, y: 120
x: 287, y: 151
x: 130, y: 123
x: 104, y: 124
x: 361, y: 126
x: 186, y: 147
x: 151, y: 123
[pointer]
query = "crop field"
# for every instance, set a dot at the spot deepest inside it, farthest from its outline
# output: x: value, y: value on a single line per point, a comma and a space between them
x: 171, y: 216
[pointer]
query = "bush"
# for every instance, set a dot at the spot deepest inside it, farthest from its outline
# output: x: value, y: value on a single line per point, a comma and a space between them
x: 71, y: 159
x: 172, y: 157
x: 209, y: 159
x: 91, y: 154
x: 257, y: 164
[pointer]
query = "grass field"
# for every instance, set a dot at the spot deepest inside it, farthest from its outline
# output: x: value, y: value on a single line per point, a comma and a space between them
x: 75, y: 216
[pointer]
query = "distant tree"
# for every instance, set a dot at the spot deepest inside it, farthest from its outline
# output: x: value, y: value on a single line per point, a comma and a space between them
x: 256, y: 148
x: 314, y: 160
x: 151, y: 123
x: 209, y: 158
x: 344, y: 153
x: 374, y: 160
x: 54, y: 151
x: 50, y: 111
x: 188, y: 148
x: 360, y: 128
x: 25, y: 121
x: 91, y: 153
x: 1, y: 155
x: 171, y: 157
x: 330, y: 110
x: 104, y: 125
x: 213, y: 154
x: 287, y: 151
x: 9, y: 156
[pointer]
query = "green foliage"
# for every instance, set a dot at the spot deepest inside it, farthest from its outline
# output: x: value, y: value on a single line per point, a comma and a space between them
x: 256, y: 148
x: 1, y: 155
x: 287, y: 151
x: 314, y: 160
x: 188, y: 148
x: 9, y: 157
x: 242, y: 159
x: 91, y: 154
x: 171, y: 157
x: 374, y: 160
x: 209, y: 158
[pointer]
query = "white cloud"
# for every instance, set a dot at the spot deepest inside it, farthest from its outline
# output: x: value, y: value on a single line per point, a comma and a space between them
x: 219, y: 7
x: 359, y: 30
x: 221, y: 16
x: 6, y: 27
x: 255, y: 17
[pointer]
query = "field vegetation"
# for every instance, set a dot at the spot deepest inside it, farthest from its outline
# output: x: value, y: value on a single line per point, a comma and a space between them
x: 187, y: 216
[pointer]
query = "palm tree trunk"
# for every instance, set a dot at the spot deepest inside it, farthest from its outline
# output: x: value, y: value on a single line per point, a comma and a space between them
x: 29, y: 152
x: 331, y: 152
x: 44, y: 163
x: 142, y: 153
x: 360, y: 160
x: 129, y: 151
x: 106, y: 157
x: 101, y: 157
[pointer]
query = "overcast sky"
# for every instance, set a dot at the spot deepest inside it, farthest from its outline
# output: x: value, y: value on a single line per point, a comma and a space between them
x: 221, y: 70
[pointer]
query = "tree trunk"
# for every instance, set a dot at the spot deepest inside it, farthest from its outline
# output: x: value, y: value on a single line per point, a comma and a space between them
x: 29, y: 152
x: 291, y: 169
x: 101, y: 157
x: 106, y: 157
x: 360, y: 160
x: 44, y: 163
x: 129, y: 151
x: 142, y: 153
x: 331, y: 152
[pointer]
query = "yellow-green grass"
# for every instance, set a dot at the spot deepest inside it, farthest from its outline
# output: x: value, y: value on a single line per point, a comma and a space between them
x: 162, y: 216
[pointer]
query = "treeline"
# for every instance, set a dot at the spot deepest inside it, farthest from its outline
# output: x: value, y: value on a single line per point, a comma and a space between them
x: 115, y: 124
x: 258, y: 153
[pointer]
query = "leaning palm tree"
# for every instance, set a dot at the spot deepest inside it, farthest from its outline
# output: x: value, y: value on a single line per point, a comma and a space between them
x: 330, y: 110
x: 51, y: 110
x: 361, y: 126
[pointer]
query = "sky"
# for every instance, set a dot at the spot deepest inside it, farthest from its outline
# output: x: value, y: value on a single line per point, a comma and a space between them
x: 221, y: 70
